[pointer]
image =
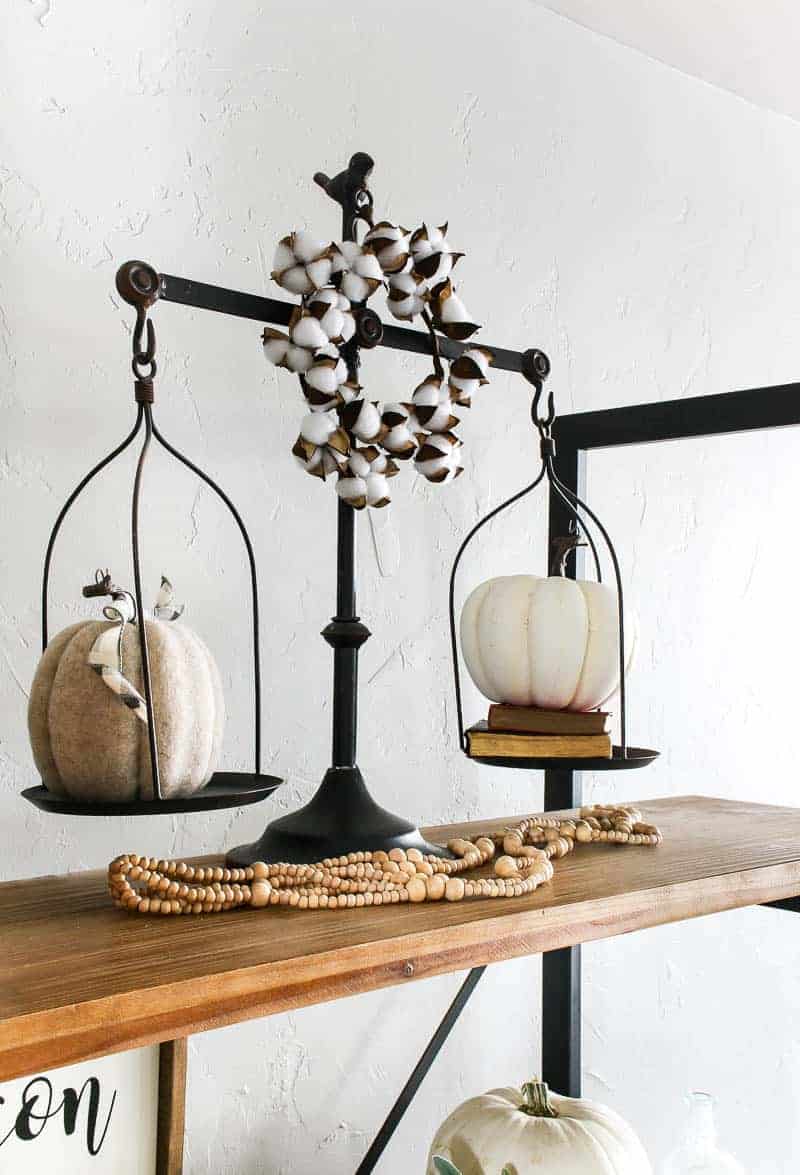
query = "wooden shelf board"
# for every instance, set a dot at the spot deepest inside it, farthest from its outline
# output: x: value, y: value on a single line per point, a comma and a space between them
x: 80, y: 979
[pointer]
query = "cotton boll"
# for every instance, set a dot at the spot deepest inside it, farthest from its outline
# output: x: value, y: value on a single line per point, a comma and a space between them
x: 319, y: 272
x: 438, y: 458
x: 317, y: 427
x: 391, y: 244
x: 468, y: 373
x: 349, y: 391
x: 474, y: 362
x: 302, y: 263
x: 344, y: 253
x: 352, y: 490
x: 403, y: 306
x: 322, y: 299
x: 428, y: 394
x: 433, y: 407
x: 332, y: 322
x: 358, y: 463
x: 284, y: 257
x: 378, y: 493
x: 407, y: 295
x: 462, y: 390
x: 358, y: 269
x: 362, y: 419
x: 322, y: 378
x: 400, y: 440
x: 348, y: 327
x: 306, y: 247
x: 381, y: 463
x: 298, y: 359
x: 440, y: 419
x: 367, y: 265
x: 275, y: 346
x: 449, y: 313
x: 408, y: 283
x: 295, y: 280
x: 307, y: 331
x: 454, y: 310
x: 356, y: 288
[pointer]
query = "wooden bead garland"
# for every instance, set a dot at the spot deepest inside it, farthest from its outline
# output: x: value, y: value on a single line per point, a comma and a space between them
x: 148, y: 885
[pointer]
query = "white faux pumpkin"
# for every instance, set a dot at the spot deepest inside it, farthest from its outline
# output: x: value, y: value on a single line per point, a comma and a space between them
x: 546, y: 642
x: 89, y: 745
x: 534, y: 1130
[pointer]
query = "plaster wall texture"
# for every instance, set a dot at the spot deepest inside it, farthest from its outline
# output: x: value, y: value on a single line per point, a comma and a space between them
x: 641, y: 227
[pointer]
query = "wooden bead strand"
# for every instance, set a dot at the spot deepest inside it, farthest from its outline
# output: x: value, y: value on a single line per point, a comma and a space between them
x: 149, y: 885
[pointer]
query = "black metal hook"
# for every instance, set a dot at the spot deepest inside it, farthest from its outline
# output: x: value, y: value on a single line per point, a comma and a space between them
x: 139, y: 285
x: 535, y: 366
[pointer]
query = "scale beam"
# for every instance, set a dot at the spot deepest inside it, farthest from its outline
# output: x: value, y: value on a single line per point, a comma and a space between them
x: 186, y: 292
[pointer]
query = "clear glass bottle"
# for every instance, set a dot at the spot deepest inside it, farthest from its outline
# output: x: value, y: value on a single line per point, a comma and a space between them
x: 698, y: 1153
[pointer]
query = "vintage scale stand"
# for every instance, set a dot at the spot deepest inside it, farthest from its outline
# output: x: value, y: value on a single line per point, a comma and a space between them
x: 342, y: 816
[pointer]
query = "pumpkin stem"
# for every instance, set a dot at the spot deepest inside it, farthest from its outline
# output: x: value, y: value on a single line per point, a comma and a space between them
x: 536, y: 1102
x: 560, y: 548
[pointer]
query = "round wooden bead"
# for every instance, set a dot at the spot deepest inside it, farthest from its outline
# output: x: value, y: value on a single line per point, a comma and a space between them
x: 454, y: 889
x: 416, y: 889
x: 435, y: 887
x: 260, y: 893
x: 505, y: 867
x: 259, y: 871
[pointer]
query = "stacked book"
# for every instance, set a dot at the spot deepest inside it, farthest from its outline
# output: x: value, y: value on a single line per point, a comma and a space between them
x: 523, y: 732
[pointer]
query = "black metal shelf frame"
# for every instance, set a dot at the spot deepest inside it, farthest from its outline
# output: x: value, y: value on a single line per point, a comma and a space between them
x: 753, y: 409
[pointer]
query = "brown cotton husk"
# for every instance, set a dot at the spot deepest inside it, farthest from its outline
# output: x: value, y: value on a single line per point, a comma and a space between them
x: 442, y: 316
x: 467, y: 367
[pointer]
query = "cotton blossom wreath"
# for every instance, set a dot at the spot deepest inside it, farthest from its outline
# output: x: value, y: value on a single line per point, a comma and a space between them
x: 345, y: 433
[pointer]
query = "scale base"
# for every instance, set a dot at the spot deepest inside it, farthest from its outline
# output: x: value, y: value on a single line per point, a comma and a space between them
x: 341, y: 817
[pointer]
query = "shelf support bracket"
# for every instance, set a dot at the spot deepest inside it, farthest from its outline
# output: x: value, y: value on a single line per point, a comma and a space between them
x: 407, y: 1093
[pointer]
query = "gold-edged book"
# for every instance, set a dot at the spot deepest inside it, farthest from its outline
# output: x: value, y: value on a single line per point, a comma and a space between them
x: 529, y: 720
x: 500, y: 744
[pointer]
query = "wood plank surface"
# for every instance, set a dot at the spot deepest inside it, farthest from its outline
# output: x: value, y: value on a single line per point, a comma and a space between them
x: 80, y: 979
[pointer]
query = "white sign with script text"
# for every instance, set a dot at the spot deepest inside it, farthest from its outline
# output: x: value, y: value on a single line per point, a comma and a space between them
x: 99, y: 1116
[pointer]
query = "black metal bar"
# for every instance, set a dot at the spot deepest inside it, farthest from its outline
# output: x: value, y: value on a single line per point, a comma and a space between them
x: 791, y: 904
x: 462, y: 737
x: 251, y: 560
x: 697, y: 416
x: 370, y: 1160
x: 561, y: 973
x: 65, y: 509
x: 561, y: 969
x: 137, y: 584
x: 186, y: 292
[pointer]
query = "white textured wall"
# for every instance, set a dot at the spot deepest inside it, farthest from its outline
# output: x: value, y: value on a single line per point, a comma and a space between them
x: 641, y: 227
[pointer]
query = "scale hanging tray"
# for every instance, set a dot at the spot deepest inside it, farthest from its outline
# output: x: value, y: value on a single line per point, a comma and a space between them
x: 636, y: 757
x: 225, y: 789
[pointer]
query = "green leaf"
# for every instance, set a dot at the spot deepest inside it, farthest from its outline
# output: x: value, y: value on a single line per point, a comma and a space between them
x: 444, y: 1166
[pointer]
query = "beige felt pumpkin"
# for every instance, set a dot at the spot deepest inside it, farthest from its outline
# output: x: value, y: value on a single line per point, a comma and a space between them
x: 89, y: 745
x: 530, y: 1130
x: 547, y: 642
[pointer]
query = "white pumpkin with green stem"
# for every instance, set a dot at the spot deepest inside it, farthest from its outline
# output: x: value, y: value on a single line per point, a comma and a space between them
x: 514, y: 1132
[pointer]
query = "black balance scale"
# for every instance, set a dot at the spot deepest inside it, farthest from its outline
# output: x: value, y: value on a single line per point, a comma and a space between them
x: 342, y: 816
